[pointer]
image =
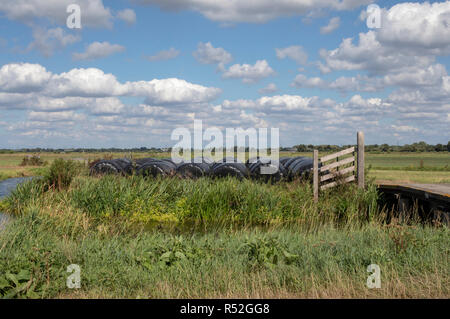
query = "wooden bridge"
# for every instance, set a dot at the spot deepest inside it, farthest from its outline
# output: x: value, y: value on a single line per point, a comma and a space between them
x: 431, y: 200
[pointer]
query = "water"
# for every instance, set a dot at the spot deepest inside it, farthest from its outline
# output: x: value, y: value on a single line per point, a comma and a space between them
x: 6, y: 187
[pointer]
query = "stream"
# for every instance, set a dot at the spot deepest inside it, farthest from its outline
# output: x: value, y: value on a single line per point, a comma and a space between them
x: 6, y: 187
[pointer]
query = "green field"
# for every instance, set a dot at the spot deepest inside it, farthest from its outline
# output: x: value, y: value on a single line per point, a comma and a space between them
x: 431, y: 167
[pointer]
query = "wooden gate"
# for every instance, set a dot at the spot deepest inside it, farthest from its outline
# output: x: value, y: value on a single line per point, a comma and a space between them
x: 339, y: 168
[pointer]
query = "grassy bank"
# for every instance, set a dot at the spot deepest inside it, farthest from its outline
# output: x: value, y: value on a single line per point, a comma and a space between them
x: 138, y: 238
x: 426, y: 167
x: 283, y: 263
x: 204, y: 202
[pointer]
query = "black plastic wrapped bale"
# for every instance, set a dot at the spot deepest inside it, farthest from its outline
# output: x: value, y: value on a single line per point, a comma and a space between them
x: 171, y: 163
x: 193, y: 170
x: 157, y: 168
x: 125, y: 164
x: 283, y: 160
x: 103, y: 167
x: 277, y: 170
x: 301, y: 168
x: 237, y: 170
x: 251, y: 161
x: 226, y: 160
x: 141, y: 161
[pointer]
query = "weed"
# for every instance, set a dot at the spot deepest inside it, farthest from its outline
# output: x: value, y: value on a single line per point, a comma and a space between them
x: 266, y: 252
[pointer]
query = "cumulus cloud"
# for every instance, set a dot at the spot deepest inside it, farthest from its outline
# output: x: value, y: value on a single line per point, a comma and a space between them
x: 107, y: 106
x: 342, y: 84
x: 369, y: 54
x: 94, y: 14
x: 249, y: 73
x: 163, y: 55
x: 127, y: 15
x: 207, y: 54
x: 404, y: 128
x: 47, y: 41
x: 411, y: 36
x: 257, y: 12
x: 97, y: 50
x: 294, y: 52
x: 55, y: 116
x: 171, y: 91
x: 268, y: 89
x: 26, y: 78
x: 419, y: 25
x: 91, y: 82
x: 332, y: 25
x: 23, y: 77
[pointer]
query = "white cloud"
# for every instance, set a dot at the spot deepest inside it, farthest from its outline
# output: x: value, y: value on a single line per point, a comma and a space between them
x: 172, y: 91
x: 94, y: 14
x: 411, y: 36
x: 23, y: 77
x: 207, y: 54
x: 404, y: 128
x: 107, y: 106
x: 303, y: 81
x: 342, y: 84
x: 47, y: 41
x: 332, y: 25
x: 294, y: 52
x: 55, y: 116
x: 249, y: 73
x: 91, y: 82
x: 164, y: 55
x: 285, y: 102
x: 18, y: 81
x: 256, y: 11
x: 270, y: 88
x: 127, y: 15
x: 419, y: 25
x: 369, y: 54
x: 97, y: 50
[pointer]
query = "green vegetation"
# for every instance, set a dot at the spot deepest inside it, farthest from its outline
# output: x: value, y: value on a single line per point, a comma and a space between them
x: 33, y: 160
x: 383, y: 148
x: 275, y: 263
x: 60, y: 174
x: 224, y: 202
x: 172, y: 238
x: 382, y: 164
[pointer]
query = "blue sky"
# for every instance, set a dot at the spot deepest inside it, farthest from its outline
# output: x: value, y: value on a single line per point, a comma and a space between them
x: 138, y: 69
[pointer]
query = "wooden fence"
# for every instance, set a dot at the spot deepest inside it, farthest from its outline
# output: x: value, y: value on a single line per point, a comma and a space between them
x: 339, y: 168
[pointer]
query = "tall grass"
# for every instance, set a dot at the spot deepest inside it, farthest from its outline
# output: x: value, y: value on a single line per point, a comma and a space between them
x: 279, y: 263
x: 223, y: 202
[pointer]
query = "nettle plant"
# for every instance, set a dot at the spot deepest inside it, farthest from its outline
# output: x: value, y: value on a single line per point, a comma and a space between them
x: 266, y: 252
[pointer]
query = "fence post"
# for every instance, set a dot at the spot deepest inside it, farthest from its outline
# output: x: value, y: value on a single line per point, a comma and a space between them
x: 316, y: 175
x: 360, y: 154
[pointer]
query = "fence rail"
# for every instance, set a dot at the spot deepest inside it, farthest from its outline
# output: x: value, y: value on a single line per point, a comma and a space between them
x: 335, y: 173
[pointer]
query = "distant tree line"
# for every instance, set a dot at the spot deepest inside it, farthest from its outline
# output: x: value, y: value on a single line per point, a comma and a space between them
x: 86, y: 150
x: 382, y: 148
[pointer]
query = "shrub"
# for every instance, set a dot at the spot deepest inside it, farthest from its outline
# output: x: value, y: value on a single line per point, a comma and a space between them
x: 33, y: 160
x: 60, y: 174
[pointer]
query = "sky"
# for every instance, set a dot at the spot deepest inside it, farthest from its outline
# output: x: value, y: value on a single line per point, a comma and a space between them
x: 135, y: 70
